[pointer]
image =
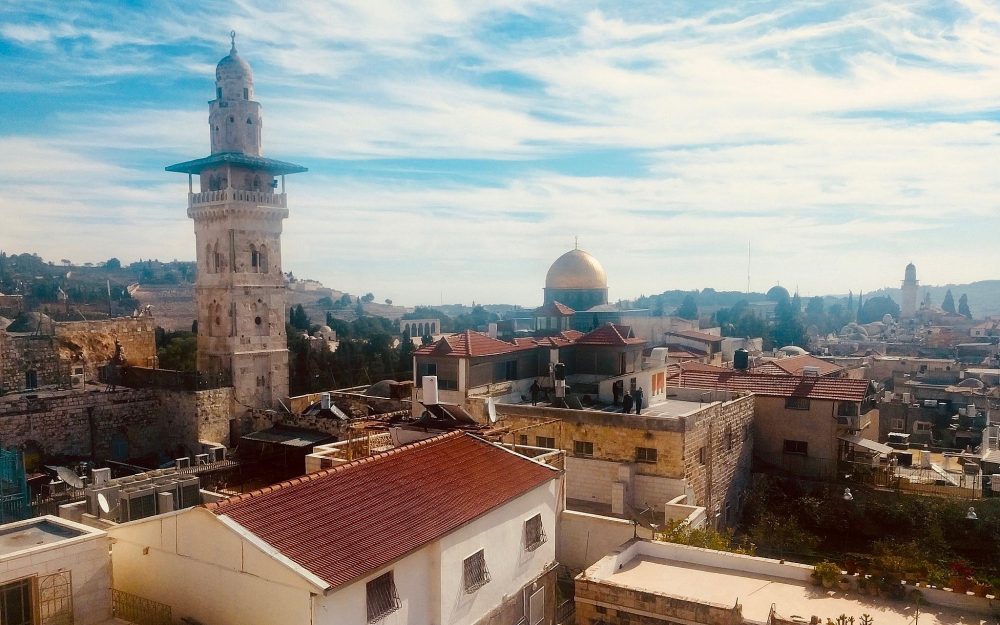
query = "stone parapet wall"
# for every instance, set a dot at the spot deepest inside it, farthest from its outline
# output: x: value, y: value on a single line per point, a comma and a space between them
x: 92, y: 343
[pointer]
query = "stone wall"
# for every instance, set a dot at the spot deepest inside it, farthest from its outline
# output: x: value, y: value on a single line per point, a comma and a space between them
x: 720, y: 474
x: 120, y: 424
x: 598, y: 603
x: 85, y: 424
x: 92, y: 343
x: 21, y: 353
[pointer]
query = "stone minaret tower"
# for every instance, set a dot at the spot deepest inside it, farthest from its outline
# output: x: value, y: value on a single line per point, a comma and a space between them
x: 237, y: 213
x: 908, y: 307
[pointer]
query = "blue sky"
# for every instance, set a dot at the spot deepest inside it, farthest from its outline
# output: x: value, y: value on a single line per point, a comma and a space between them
x: 456, y: 148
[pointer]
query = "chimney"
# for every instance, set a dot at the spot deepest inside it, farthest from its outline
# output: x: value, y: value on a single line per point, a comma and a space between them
x: 324, y: 401
x: 492, y: 330
x: 430, y: 385
x: 100, y: 476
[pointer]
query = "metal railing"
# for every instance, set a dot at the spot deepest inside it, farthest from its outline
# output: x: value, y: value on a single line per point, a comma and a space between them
x: 139, y: 610
x: 145, y: 377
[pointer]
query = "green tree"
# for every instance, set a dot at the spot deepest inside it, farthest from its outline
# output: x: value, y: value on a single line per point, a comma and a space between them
x: 963, y: 306
x: 688, y: 308
x: 705, y: 537
x: 948, y: 305
x: 176, y: 351
x: 113, y: 264
x: 299, y: 319
x: 876, y: 308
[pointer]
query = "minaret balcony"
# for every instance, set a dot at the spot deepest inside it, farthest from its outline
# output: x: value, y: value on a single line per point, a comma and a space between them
x: 224, y: 196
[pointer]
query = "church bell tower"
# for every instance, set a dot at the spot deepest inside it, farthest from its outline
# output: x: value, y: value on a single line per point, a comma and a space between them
x: 238, y: 212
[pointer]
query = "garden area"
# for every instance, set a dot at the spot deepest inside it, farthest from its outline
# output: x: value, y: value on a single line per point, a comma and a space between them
x: 881, y: 537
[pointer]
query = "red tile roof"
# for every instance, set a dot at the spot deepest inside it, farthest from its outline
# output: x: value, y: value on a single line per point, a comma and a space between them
x: 342, y: 523
x: 610, y: 334
x: 469, y: 343
x: 554, y: 309
x: 694, y: 335
x: 841, y: 389
x: 793, y: 366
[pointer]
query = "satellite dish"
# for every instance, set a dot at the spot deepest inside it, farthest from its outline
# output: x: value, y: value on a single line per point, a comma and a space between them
x: 491, y: 410
x: 102, y: 501
x: 67, y: 475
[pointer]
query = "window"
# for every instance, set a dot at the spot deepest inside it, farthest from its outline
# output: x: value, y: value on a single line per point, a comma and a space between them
x: 382, y: 597
x: 797, y: 403
x: 17, y: 602
x: 796, y: 447
x: 475, y: 575
x: 847, y: 409
x: 534, y: 533
x: 425, y: 368
x: 898, y: 425
x: 30, y: 379
x: 246, y: 96
x: 922, y: 426
x: 522, y: 439
x: 583, y: 448
x: 218, y: 96
x: 510, y: 370
x: 727, y: 438
x: 645, y: 454
x: 545, y: 441
x: 702, y: 455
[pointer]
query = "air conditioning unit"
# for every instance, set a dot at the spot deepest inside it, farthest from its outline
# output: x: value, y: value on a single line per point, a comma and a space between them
x: 201, y: 459
x: 214, y: 451
x: 100, y: 476
x: 182, y: 463
x: 137, y: 503
x: 189, y: 493
x: 995, y: 483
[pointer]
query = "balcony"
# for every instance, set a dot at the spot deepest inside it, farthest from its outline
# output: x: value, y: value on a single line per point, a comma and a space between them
x: 259, y: 198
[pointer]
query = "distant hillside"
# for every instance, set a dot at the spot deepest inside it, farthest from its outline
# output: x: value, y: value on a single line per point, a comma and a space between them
x: 984, y: 296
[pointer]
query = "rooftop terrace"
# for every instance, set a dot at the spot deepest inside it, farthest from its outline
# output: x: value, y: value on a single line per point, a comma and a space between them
x: 723, y: 580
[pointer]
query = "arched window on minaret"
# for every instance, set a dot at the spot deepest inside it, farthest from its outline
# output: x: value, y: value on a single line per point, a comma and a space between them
x: 216, y: 259
x: 262, y: 258
x: 216, y: 317
x: 208, y: 258
x: 254, y: 259
x: 261, y: 325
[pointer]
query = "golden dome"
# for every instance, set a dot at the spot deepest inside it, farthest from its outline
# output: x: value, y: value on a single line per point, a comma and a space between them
x: 576, y: 269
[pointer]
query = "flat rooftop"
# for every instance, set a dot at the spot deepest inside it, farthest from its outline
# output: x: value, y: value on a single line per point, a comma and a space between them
x: 34, y: 533
x: 667, y: 408
x: 745, y: 579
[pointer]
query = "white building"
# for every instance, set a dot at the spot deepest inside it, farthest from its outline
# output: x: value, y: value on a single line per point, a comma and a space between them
x: 54, y: 571
x: 449, y: 530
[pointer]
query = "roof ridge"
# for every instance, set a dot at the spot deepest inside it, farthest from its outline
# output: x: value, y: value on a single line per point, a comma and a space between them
x: 310, y: 477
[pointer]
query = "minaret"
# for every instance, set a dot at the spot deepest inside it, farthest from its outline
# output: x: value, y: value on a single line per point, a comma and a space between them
x: 237, y: 213
x: 908, y: 306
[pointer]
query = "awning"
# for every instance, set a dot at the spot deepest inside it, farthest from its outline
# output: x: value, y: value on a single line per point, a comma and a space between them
x: 291, y: 437
x: 870, y: 445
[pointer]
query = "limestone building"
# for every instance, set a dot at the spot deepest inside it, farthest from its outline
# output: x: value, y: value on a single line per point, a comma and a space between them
x: 238, y: 213
x: 908, y: 309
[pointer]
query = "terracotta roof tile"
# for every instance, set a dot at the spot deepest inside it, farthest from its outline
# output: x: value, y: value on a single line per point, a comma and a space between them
x: 694, y: 335
x: 469, y: 343
x: 554, y: 309
x: 341, y: 523
x: 610, y: 334
x: 842, y: 389
x: 793, y: 366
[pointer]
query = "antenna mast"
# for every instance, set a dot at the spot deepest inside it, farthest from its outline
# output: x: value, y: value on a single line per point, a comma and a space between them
x: 748, y: 266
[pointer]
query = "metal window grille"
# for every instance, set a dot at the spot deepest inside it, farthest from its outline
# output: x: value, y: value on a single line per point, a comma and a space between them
x: 645, y: 454
x: 796, y: 447
x: 475, y: 573
x: 583, y: 448
x: 522, y: 439
x: 382, y: 597
x: 536, y: 607
x: 17, y: 602
x: 545, y: 441
x: 797, y: 403
x: 702, y: 455
x: 534, y: 533
x: 55, y: 599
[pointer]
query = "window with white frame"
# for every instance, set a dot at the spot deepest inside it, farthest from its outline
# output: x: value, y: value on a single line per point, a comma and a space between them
x: 898, y: 425
x: 382, y: 597
x: 534, y: 533
x: 475, y: 575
